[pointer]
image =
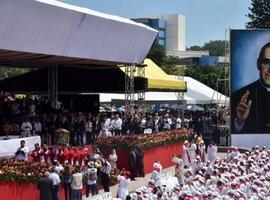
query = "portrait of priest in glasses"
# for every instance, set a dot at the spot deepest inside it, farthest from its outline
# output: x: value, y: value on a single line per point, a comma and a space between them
x: 251, y: 104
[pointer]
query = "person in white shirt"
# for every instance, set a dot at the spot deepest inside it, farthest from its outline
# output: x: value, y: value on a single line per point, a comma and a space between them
x: 76, y: 184
x: 117, y: 125
x: 202, y: 153
x: 122, y: 191
x: 167, y: 122
x: 178, y: 123
x: 91, y: 177
x: 58, y: 167
x: 26, y: 128
x: 54, y: 176
x: 156, y: 173
x: 109, y: 123
x: 22, y: 152
x: 113, y: 159
x: 156, y: 123
x: 38, y: 127
x: 192, y: 149
x: 212, y: 152
x: 105, y: 128
x: 186, y: 154
x: 179, y: 168
x: 235, y: 153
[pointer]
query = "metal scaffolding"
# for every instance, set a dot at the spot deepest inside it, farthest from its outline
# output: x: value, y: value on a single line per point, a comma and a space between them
x: 141, y: 95
x: 129, y: 89
x: 223, y: 86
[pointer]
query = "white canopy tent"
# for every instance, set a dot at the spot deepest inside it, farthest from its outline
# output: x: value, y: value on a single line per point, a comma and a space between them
x: 197, y: 93
x: 32, y: 29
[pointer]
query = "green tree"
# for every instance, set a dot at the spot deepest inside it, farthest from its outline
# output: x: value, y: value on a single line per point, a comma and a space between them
x: 171, y: 65
x: 195, y: 48
x: 157, y: 54
x: 259, y: 14
x: 215, y: 48
x: 6, y: 72
x: 205, y: 74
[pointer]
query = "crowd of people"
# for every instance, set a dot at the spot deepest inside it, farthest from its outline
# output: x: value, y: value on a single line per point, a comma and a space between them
x: 95, y: 172
x: 199, y: 173
x: 71, y: 166
x: 26, y: 117
x: 237, y: 176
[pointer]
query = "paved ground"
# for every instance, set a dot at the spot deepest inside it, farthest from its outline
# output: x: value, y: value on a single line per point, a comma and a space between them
x: 143, y: 181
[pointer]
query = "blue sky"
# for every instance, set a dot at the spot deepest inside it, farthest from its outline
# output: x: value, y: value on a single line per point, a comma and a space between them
x: 205, y: 19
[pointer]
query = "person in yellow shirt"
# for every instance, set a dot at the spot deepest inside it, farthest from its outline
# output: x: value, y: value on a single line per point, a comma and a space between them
x: 197, y: 141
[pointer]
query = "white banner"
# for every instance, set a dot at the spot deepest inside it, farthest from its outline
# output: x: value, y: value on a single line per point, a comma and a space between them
x: 9, y: 147
x: 250, y: 140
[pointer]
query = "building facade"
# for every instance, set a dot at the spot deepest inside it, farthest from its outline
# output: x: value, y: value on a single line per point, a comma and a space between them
x: 171, y: 34
x: 159, y: 25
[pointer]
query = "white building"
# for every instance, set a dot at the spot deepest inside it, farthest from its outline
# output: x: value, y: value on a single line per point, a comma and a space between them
x: 172, y: 34
x: 175, y: 32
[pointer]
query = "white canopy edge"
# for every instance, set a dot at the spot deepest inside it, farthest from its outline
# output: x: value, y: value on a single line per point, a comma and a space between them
x: 55, y: 28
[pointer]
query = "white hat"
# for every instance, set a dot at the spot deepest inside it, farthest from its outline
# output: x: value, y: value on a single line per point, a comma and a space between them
x: 133, y: 196
x: 156, y: 165
x: 262, y: 195
x: 176, y: 188
x: 144, y: 189
x: 254, y: 198
x: 138, y: 191
x: 151, y: 181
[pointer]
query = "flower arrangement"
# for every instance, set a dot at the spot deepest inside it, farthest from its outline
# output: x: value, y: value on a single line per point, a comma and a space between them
x: 143, y: 141
x: 21, y: 171
x: 29, y: 172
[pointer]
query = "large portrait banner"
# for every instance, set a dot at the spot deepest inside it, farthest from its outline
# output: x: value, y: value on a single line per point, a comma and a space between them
x: 250, y: 87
